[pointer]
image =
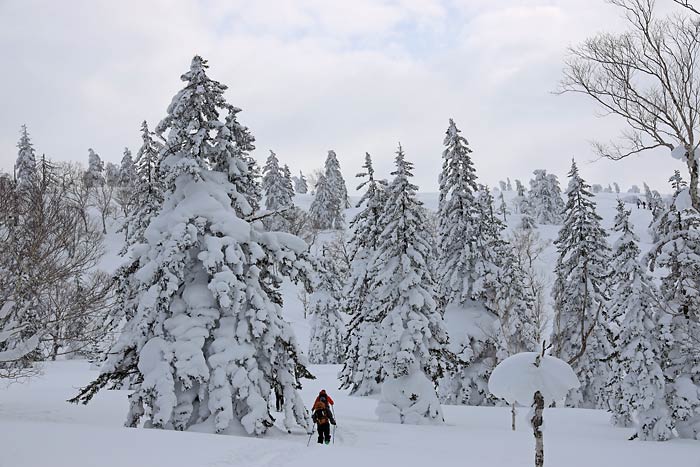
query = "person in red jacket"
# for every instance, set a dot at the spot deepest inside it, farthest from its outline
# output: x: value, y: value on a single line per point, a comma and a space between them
x: 322, y: 416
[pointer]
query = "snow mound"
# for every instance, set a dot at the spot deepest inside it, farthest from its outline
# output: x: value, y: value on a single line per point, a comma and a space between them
x: 409, y: 399
x: 516, y: 379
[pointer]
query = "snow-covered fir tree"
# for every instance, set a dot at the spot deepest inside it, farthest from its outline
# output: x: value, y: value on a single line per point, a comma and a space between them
x: 207, y: 339
x: 502, y: 207
x: 288, y: 182
x: 300, y: 184
x: 331, y: 197
x: 279, y: 194
x: 648, y: 196
x: 479, y: 346
x: 336, y: 181
x: 545, y: 198
x: 112, y: 175
x: 457, y: 218
x: 361, y: 372
x: 678, y: 254
x: 520, y: 199
x: 677, y: 182
x: 127, y: 170
x: 415, y: 338
x: 25, y: 166
x: 236, y: 143
x: 94, y: 176
x: 580, y: 333
x: 148, y: 195
x: 637, y: 383
x: 326, y: 211
x: 327, y: 327
x: 517, y: 327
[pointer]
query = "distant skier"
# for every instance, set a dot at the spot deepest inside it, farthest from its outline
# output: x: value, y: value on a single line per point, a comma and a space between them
x: 279, y: 399
x: 322, y: 416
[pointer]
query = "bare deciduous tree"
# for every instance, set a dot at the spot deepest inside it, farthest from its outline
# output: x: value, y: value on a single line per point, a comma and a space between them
x: 44, y: 245
x: 649, y: 77
x: 688, y: 5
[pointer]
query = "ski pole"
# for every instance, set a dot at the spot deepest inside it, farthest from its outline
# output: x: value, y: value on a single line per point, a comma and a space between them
x: 336, y: 422
x: 309, y: 440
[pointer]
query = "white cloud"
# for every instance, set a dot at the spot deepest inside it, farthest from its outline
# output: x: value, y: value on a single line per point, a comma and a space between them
x: 313, y: 75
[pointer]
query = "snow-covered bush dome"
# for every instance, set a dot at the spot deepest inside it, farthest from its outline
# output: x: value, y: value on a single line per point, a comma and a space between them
x: 518, y: 377
x: 409, y: 399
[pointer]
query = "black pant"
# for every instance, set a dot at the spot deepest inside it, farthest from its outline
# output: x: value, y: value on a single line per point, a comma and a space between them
x: 324, y: 432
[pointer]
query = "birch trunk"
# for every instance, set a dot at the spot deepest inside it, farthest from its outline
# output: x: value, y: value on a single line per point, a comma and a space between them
x: 536, y: 421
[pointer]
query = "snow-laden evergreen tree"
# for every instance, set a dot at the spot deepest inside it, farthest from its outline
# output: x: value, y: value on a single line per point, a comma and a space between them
x: 127, y: 170
x: 617, y: 187
x: 516, y: 328
x: 300, y: 185
x: 207, y: 339
x: 327, y: 327
x: 502, y: 207
x: 678, y: 253
x: 236, y: 143
x: 326, y: 210
x: 545, y: 198
x: 94, y: 176
x: 637, y: 383
x: 25, y: 166
x: 112, y: 174
x: 288, y: 182
x: 521, y: 198
x: 415, y: 338
x: 509, y: 186
x: 335, y: 179
x: 677, y: 182
x: 279, y: 194
x: 648, y: 196
x: 361, y: 372
x: 457, y: 218
x: 581, y: 334
x: 148, y: 192
x: 526, y: 219
x: 479, y: 346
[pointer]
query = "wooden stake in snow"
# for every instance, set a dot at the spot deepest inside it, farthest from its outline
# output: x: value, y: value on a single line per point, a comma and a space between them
x: 517, y: 378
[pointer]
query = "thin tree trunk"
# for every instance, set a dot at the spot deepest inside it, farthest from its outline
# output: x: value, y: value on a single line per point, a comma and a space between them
x: 537, y: 429
x: 693, y: 186
x: 512, y: 416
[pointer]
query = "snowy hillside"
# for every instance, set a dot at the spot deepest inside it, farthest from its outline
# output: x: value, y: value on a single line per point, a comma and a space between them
x: 37, y: 426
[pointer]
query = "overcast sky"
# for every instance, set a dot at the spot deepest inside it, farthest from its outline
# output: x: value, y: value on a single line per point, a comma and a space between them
x: 313, y: 75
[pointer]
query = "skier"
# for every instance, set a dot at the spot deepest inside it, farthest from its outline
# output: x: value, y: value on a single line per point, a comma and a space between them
x: 322, y: 416
x: 279, y: 399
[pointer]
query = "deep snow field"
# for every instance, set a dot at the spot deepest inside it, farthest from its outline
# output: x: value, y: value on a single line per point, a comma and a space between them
x: 38, y: 428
